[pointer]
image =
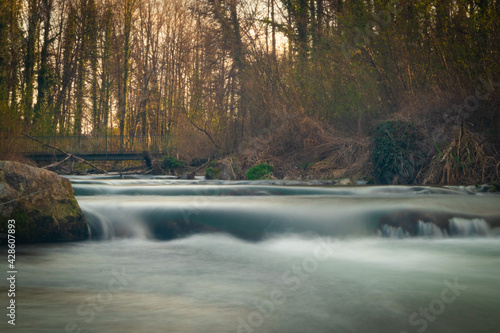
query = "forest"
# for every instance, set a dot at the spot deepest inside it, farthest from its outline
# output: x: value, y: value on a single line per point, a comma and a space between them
x: 397, y: 91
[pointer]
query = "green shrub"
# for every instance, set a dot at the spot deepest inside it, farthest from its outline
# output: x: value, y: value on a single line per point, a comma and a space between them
x: 396, y: 156
x: 261, y: 171
x: 171, y: 163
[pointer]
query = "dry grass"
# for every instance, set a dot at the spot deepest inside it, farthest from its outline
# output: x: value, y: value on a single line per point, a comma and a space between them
x: 457, y: 154
x: 9, y: 147
x: 467, y: 160
x: 299, y: 140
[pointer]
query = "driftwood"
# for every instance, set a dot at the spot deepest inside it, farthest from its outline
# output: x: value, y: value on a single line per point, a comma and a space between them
x: 202, y: 166
x: 52, y: 166
x: 66, y: 153
x: 194, y: 171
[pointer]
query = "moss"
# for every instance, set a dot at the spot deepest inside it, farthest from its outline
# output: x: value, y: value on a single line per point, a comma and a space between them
x: 212, y: 172
x: 395, y: 154
x: 24, y: 226
x: 67, y: 185
x: 70, y: 208
x: 62, y: 223
x: 46, y: 211
x: 261, y: 171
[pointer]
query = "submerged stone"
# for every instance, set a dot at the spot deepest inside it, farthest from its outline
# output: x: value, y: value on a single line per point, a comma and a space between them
x: 42, y: 204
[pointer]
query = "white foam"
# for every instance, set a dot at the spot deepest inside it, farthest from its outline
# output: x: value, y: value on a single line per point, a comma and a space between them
x: 393, y: 232
x: 458, y: 227
x: 429, y: 229
x: 468, y: 227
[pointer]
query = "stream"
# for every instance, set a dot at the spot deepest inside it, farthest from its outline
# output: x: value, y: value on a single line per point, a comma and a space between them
x: 168, y: 255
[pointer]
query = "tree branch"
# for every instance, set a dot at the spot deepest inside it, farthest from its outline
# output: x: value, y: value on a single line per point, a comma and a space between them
x: 66, y: 153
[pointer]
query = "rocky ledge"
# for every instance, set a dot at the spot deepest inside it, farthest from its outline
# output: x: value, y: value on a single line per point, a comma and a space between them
x: 42, y: 204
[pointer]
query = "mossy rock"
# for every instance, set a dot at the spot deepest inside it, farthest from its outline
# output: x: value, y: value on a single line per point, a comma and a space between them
x: 42, y: 204
x: 222, y: 170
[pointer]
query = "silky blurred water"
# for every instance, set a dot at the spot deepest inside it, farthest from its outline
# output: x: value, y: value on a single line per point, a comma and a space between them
x: 318, y: 265
x: 213, y: 283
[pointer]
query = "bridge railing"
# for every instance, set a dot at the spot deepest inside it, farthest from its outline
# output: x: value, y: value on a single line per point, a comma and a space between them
x: 103, y: 145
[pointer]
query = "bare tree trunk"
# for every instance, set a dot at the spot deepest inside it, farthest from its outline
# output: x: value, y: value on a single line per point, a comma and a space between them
x: 30, y: 61
x: 44, y: 85
x: 123, y: 102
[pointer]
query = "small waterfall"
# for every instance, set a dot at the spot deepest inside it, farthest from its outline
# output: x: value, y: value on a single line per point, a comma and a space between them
x: 457, y: 227
x: 468, y: 227
x: 171, y: 208
x: 388, y: 231
x: 125, y: 226
x: 100, y: 226
x: 429, y: 229
x: 424, y: 229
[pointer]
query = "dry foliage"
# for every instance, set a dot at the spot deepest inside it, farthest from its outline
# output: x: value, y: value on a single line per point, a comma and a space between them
x: 9, y: 146
x: 467, y: 160
x: 300, y: 140
x: 189, y: 143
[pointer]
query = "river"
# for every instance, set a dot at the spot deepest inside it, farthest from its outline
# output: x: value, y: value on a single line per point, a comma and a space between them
x: 170, y: 255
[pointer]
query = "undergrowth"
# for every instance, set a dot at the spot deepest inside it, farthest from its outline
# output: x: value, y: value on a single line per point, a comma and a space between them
x: 395, y: 154
x: 171, y: 163
x: 261, y: 171
x: 467, y: 159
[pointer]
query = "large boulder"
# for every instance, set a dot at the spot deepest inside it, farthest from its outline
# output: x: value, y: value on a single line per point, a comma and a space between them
x: 42, y: 204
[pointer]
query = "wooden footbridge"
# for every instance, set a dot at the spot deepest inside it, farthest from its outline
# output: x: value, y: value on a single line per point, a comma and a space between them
x: 94, y: 148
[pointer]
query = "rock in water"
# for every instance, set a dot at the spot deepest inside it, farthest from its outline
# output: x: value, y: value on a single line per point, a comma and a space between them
x: 41, y: 202
x: 222, y: 170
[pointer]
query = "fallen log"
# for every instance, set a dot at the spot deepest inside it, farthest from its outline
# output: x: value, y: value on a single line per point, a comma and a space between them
x: 66, y: 153
x: 54, y: 165
x: 202, y: 166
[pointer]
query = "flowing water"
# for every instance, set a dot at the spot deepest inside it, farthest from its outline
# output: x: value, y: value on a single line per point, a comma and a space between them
x: 169, y: 255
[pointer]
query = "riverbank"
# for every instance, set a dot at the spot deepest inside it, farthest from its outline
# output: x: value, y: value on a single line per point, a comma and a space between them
x: 397, y: 151
x: 235, y: 167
